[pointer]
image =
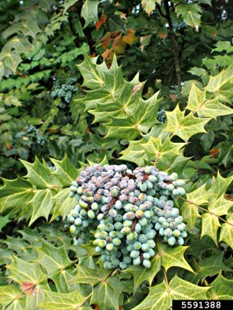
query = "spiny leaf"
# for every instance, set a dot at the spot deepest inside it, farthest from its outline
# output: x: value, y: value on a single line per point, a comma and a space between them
x: 219, y: 185
x: 64, y: 171
x: 16, y: 244
x: 190, y: 213
x: 89, y: 70
x: 107, y: 294
x: 4, y: 220
x: 226, y: 233
x: 184, y: 126
x: 137, y: 122
x: 46, y: 193
x: 30, y: 235
x: 52, y: 258
x: 15, y: 193
x: 31, y: 278
x: 57, y: 264
x: 11, y: 61
x: 221, y: 288
x: 210, y: 220
x: 218, y: 81
x: 63, y: 204
x: 210, y: 266
x: 142, y: 274
x: 90, y: 11
x: 162, y: 151
x: 67, y: 4
x: 172, y: 257
x: 199, y: 196
x: 39, y: 174
x: 115, y: 102
x: 63, y: 301
x: 42, y: 204
x: 91, y: 276
x: 197, y: 102
x: 161, y: 295
x: 19, y: 43
x: 220, y: 206
x: 23, y: 271
x: 135, y: 153
x: 9, y: 298
x: 210, y: 225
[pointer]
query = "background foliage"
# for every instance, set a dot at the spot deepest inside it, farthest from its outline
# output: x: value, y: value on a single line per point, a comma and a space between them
x: 140, y: 82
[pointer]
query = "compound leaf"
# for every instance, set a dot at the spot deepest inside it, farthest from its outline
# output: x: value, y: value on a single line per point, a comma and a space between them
x: 115, y: 102
x: 56, y: 262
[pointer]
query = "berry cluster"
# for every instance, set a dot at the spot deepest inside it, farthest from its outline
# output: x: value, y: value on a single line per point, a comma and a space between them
x: 64, y: 91
x: 30, y: 133
x: 124, y: 210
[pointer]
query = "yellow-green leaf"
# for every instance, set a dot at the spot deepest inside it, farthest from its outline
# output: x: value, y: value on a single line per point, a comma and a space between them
x: 161, y: 295
x: 226, y: 233
x: 210, y: 225
x: 56, y: 262
x: 184, y: 126
x: 39, y: 174
x: 219, y: 80
x: 63, y: 301
x: 91, y: 276
x: 42, y: 204
x: 197, y: 103
x: 161, y: 151
x: 23, y: 271
x: 172, y: 256
x: 15, y: 193
x: 9, y: 294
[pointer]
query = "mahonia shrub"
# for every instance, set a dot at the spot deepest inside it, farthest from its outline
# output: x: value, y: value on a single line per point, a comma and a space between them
x: 135, y: 235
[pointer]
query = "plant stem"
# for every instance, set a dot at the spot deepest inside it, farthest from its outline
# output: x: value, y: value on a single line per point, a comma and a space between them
x: 174, y: 46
